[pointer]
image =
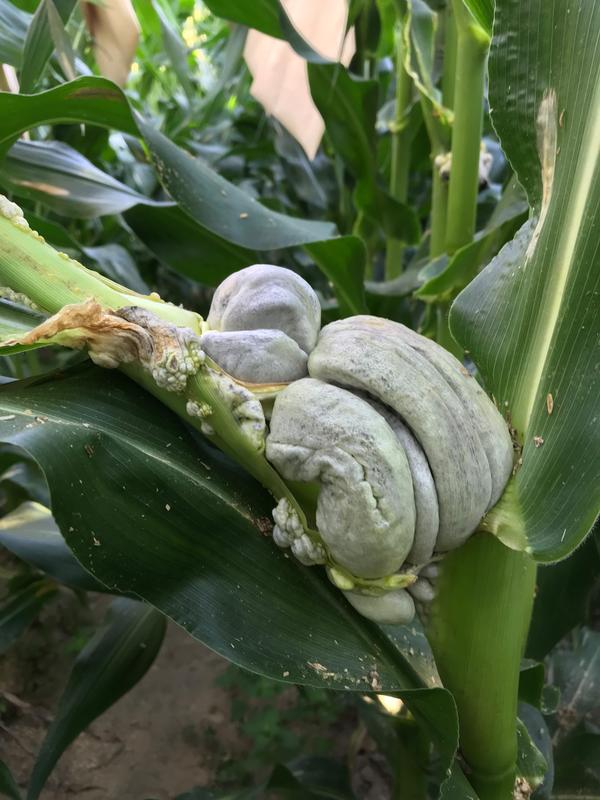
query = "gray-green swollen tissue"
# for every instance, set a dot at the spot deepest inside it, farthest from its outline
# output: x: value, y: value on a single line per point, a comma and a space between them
x: 407, y: 450
x: 263, y: 322
x: 382, y: 451
x: 366, y: 510
x: 401, y: 451
x: 265, y: 296
x: 260, y: 356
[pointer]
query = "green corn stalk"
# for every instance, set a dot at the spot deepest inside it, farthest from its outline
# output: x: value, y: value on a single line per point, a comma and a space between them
x: 32, y: 270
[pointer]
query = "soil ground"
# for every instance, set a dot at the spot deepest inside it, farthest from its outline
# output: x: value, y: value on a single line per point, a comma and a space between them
x: 157, y: 741
x: 147, y: 745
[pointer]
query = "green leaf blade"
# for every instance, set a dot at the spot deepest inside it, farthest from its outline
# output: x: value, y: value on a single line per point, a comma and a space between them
x: 111, y: 663
x: 13, y: 29
x: 20, y: 609
x: 562, y: 597
x: 177, y: 240
x: 348, y: 105
x: 204, y: 518
x: 15, y: 321
x: 530, y: 319
x: 30, y: 533
x: 97, y: 101
x: 151, y: 512
x: 482, y: 12
x: 8, y: 785
x: 65, y: 181
x: 39, y: 42
x: 176, y: 50
x: 262, y: 15
x: 225, y: 210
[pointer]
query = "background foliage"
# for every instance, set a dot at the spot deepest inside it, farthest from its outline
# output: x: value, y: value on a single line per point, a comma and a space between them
x: 180, y: 179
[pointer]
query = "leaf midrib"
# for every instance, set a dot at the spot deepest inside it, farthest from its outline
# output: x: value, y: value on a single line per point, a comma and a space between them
x: 562, y: 264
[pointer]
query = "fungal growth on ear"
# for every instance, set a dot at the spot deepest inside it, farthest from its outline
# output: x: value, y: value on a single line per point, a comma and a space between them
x: 260, y: 356
x: 262, y: 324
x: 366, y: 510
x: 464, y: 438
x: 265, y: 296
x: 407, y: 449
x: 382, y: 451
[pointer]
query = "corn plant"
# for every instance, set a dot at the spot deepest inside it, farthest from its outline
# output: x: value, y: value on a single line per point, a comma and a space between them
x: 372, y: 467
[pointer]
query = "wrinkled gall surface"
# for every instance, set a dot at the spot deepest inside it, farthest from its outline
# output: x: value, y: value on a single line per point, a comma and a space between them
x: 366, y: 509
x: 387, y: 450
x: 263, y: 322
x: 260, y: 356
x: 405, y: 448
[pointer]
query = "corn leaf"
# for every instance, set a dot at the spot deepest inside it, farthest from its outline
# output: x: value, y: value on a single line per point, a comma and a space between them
x: 13, y: 28
x: 15, y: 320
x: 419, y: 31
x: 482, y: 12
x: 65, y: 181
x: 267, y: 16
x: 349, y: 107
x: 174, y: 237
x: 213, y: 202
x: 178, y: 241
x: 20, y: 608
x: 534, y: 759
x: 117, y: 657
x: 136, y: 477
x: 444, y: 277
x: 562, y: 597
x: 31, y: 533
x: 262, y: 15
x: 42, y: 37
x: 530, y: 319
x: 8, y: 785
x: 151, y: 511
x: 176, y: 50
